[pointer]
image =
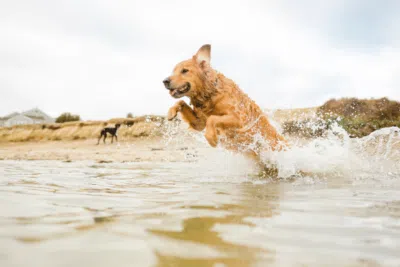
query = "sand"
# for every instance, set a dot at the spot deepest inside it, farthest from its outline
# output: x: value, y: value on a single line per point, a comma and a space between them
x: 140, y: 149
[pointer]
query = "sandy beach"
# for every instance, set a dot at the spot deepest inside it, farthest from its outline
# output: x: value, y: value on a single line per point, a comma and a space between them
x: 137, y: 150
x: 150, y: 138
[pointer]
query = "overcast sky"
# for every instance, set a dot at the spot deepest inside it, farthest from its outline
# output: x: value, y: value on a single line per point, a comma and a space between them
x: 103, y: 59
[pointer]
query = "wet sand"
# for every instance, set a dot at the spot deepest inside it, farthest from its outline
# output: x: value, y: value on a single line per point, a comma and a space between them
x: 140, y: 149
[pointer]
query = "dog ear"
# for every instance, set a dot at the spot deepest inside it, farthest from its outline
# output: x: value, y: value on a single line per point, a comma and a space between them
x: 203, y: 55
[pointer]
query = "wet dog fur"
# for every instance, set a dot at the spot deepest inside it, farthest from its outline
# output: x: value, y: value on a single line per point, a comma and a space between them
x: 220, y: 107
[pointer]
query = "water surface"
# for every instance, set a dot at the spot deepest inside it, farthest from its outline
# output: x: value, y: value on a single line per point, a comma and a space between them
x: 85, y: 213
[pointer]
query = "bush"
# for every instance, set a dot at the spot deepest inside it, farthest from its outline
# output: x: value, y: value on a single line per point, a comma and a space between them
x: 130, y: 115
x: 359, y: 117
x: 364, y: 109
x: 65, y: 117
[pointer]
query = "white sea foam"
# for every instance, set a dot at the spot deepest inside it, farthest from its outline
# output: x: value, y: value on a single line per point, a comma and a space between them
x: 334, y: 154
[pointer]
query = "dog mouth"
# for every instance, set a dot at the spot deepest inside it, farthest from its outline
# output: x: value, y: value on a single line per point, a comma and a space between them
x: 180, y: 91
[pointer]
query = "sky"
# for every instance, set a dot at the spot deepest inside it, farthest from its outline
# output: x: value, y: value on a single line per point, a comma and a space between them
x: 103, y: 59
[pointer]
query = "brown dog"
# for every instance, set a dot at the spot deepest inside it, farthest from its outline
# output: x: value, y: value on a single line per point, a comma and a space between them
x: 220, y: 107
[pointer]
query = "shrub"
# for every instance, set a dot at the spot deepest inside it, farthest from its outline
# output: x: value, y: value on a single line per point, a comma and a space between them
x: 359, y: 117
x: 130, y: 115
x: 364, y: 109
x: 65, y: 117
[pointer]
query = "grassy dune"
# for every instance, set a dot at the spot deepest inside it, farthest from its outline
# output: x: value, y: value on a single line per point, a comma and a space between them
x: 359, y: 117
x: 149, y: 126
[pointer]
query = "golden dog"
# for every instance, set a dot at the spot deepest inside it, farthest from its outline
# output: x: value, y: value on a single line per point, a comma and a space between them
x: 220, y: 107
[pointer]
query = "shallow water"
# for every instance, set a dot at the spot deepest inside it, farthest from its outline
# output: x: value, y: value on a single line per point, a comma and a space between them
x: 84, y: 213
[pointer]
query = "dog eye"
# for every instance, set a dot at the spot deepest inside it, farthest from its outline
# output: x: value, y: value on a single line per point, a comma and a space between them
x: 184, y: 71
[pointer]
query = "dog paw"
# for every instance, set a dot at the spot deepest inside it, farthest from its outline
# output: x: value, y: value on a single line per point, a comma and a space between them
x: 172, y: 113
x: 212, y: 139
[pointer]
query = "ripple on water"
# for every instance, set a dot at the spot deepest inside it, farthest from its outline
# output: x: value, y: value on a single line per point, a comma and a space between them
x: 193, y: 214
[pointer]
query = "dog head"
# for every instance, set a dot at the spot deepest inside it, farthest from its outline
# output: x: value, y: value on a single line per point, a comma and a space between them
x: 188, y: 76
x: 117, y: 125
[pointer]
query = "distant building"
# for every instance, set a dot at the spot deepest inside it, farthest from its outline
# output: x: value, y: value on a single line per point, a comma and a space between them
x: 33, y: 116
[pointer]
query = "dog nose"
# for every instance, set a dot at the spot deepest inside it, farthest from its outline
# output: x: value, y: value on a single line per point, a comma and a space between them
x: 166, y: 82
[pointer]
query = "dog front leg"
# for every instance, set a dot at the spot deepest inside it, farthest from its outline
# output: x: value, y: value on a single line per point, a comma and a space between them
x: 225, y: 122
x: 188, y: 115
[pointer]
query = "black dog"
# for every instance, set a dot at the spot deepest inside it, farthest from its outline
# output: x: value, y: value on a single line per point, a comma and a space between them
x: 110, y: 130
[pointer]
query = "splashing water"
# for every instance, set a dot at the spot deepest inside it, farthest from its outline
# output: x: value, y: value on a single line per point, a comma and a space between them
x: 334, y: 154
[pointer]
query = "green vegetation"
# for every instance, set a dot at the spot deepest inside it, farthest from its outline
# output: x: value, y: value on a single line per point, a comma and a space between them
x: 66, y: 117
x: 359, y: 117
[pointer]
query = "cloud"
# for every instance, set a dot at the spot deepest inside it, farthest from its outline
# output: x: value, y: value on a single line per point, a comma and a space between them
x: 105, y: 59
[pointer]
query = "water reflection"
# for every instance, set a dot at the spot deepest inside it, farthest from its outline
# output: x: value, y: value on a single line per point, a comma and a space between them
x: 170, y: 214
x: 258, y: 201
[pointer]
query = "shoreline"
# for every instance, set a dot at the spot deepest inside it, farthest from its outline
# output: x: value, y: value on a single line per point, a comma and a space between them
x: 138, y: 150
